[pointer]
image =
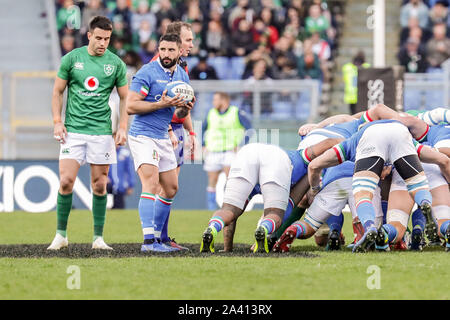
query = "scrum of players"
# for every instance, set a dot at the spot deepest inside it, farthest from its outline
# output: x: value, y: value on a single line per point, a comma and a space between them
x: 389, y: 168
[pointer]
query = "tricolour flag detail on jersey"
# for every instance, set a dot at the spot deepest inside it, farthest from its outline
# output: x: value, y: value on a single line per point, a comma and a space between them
x: 365, y: 117
x: 144, y: 90
x: 339, y: 153
x: 305, y: 157
x: 418, y: 147
x: 422, y: 137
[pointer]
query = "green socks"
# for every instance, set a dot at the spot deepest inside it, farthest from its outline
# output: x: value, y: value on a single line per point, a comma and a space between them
x: 63, y: 206
x: 99, y: 213
x: 296, y: 214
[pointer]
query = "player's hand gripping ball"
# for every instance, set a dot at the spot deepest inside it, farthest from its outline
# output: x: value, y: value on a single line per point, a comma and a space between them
x: 182, y: 88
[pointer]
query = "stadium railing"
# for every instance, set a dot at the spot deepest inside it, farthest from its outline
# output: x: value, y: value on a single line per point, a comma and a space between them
x: 27, y: 128
x: 425, y: 91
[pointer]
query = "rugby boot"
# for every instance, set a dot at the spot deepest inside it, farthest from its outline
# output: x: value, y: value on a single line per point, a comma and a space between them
x: 358, y: 232
x: 334, y: 241
x: 430, y: 226
x: 172, y: 243
x: 99, y: 243
x: 382, y: 240
x: 58, y: 242
x: 367, y: 241
x: 284, y: 243
x: 416, y: 240
x: 261, y: 244
x: 208, y: 237
x: 155, y: 246
x: 271, y: 240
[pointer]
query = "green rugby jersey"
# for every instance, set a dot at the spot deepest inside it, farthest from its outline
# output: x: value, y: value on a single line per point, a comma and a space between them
x: 90, y: 82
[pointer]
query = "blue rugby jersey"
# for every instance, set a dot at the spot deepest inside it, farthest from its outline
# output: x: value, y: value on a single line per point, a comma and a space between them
x: 343, y: 170
x: 151, y: 81
x: 437, y: 133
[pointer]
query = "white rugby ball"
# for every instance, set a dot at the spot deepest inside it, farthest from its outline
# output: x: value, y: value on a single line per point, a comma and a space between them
x: 182, y: 88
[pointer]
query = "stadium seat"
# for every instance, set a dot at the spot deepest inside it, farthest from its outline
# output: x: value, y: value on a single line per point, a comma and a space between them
x: 222, y: 66
x: 237, y: 68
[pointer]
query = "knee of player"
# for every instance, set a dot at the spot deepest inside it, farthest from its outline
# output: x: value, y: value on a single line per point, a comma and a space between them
x: 171, y: 191
x: 66, y: 184
x: 99, y: 185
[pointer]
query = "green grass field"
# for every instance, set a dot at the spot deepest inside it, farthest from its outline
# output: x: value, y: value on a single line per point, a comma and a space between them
x: 326, y: 275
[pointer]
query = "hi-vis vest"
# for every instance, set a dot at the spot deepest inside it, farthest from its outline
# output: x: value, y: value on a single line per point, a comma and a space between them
x: 350, y: 75
x: 225, y: 131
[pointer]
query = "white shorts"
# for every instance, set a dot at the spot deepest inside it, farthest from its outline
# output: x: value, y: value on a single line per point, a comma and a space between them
x: 86, y: 148
x: 332, y: 199
x: 157, y: 152
x: 237, y: 191
x: 432, y: 171
x: 262, y: 163
x: 216, y: 161
x: 390, y: 141
x: 443, y: 144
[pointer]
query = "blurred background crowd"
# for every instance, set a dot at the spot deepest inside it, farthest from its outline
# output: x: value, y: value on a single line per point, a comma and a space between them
x: 278, y: 39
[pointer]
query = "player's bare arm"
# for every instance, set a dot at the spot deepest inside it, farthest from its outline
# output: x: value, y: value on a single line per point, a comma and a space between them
x: 121, y: 134
x: 326, y: 160
x: 187, y: 124
x: 59, y: 130
x: 430, y: 155
x: 136, y: 105
x: 340, y: 118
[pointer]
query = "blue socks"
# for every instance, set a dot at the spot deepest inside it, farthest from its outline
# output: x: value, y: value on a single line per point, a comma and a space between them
x: 162, y: 212
x: 418, y: 220
x: 391, y: 231
x: 443, y: 228
x: 384, y: 208
x: 336, y: 222
x: 366, y: 213
x: 288, y: 211
x: 268, y: 224
x: 423, y: 195
x: 211, y: 199
x: 217, y: 223
x: 301, y: 228
x: 146, y: 213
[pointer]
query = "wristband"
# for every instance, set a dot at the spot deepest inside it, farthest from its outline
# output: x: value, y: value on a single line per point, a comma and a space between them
x: 57, y: 121
x: 192, y: 133
x: 316, y: 188
x: 170, y: 130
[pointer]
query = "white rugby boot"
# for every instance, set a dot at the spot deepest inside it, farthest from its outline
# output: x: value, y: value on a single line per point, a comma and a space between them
x: 99, y: 243
x: 58, y: 242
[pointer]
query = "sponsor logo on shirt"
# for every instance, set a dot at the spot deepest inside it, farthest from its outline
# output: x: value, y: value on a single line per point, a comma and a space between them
x: 162, y: 81
x: 79, y: 65
x: 367, y: 150
x: 91, y: 83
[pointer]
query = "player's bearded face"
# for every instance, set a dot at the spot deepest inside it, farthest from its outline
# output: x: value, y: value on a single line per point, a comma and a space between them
x: 169, y: 52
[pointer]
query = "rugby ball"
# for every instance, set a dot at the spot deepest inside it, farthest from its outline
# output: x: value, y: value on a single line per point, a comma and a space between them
x: 182, y: 88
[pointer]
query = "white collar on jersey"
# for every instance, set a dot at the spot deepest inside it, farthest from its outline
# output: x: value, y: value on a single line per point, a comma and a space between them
x: 165, y: 69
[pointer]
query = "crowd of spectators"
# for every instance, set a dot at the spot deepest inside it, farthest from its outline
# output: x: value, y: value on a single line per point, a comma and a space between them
x: 275, y: 39
x: 425, y: 35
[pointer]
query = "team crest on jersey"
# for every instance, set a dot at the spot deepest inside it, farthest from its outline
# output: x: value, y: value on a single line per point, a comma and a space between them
x: 109, y: 69
x: 91, y: 83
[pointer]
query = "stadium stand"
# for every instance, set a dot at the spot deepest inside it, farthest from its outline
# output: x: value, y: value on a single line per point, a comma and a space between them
x: 233, y: 33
